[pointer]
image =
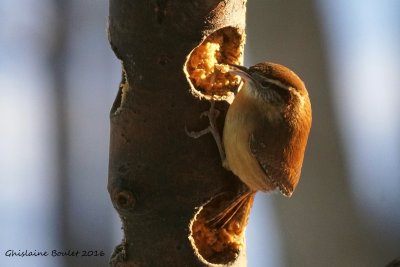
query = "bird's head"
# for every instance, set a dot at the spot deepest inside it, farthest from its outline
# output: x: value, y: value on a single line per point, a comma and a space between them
x: 274, y: 83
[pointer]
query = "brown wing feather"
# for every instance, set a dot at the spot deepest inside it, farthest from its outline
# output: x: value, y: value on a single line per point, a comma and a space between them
x: 279, y: 149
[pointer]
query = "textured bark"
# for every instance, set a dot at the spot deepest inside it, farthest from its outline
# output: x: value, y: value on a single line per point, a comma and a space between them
x: 158, y: 176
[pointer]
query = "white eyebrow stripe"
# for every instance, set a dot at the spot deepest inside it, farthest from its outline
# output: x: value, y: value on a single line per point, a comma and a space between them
x: 278, y: 83
x: 273, y: 81
x: 301, y: 97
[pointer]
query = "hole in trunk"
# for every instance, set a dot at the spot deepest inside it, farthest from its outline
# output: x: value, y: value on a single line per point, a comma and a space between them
x: 206, y: 67
x: 219, y: 244
x: 122, y: 91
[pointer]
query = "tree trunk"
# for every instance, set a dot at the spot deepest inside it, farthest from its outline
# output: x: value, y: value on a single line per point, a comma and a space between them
x: 159, y: 177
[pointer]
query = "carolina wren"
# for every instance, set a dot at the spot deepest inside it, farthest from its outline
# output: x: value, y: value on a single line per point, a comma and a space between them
x: 266, y: 128
x: 265, y: 133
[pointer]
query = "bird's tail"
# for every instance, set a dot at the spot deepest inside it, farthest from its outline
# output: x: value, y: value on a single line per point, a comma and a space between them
x: 237, y: 210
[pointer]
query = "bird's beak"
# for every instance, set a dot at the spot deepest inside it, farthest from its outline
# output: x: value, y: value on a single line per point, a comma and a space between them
x: 241, y: 71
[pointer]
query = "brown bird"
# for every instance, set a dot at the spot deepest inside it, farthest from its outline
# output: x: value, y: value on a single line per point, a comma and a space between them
x: 265, y: 133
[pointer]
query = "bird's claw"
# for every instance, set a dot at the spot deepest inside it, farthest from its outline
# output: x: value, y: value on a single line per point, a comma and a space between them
x: 197, y: 134
x: 212, y: 115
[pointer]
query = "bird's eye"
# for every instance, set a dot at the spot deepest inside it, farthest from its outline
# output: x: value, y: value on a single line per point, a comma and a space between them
x: 265, y: 84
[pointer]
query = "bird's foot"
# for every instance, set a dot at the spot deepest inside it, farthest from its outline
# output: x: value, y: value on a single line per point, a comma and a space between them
x: 212, y: 115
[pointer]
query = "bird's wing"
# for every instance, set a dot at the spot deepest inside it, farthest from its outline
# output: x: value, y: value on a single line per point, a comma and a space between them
x: 274, y: 149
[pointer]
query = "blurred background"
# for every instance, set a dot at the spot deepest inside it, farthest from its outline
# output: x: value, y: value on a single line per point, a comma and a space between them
x: 59, y: 77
